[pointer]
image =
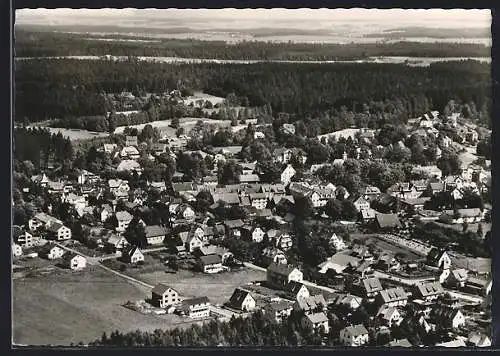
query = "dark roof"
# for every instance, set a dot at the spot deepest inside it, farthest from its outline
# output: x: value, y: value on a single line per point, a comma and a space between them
x: 210, y: 259
x: 294, y: 287
x: 160, y: 289
x: 443, y: 313
x: 284, y: 270
x: 238, y: 297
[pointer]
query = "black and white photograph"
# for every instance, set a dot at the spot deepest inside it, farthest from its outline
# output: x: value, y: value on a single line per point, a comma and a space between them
x: 206, y: 178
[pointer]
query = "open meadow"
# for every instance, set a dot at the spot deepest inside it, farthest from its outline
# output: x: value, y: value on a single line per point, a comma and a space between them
x: 217, y: 287
x: 70, y: 307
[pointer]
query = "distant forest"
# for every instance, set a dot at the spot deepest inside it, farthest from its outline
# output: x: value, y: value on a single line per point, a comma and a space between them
x: 40, y: 44
x: 66, y: 88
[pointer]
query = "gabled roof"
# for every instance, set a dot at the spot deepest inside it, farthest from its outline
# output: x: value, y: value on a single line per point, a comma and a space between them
x: 400, y: 343
x: 161, y: 289
x: 195, y: 301
x: 247, y: 178
x: 55, y: 226
x: 226, y: 198
x: 155, y: 230
x: 393, y: 294
x: 317, y: 318
x: 430, y: 289
x: 478, y: 339
x: 460, y: 274
x: 312, y: 302
x: 372, y: 285
x: 281, y: 269
x: 360, y: 201
x: 123, y: 216
x: 356, y: 330
x: 238, y: 297
x: 131, y: 250
x: 279, y: 306
x: 387, y: 312
x: 444, y: 313
x: 115, y: 239
x: 293, y: 287
x: 371, y: 190
x: 234, y: 224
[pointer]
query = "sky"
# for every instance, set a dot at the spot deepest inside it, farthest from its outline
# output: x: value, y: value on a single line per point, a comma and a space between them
x: 318, y: 18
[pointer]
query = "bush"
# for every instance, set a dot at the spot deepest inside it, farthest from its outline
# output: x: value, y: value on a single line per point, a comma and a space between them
x: 123, y: 268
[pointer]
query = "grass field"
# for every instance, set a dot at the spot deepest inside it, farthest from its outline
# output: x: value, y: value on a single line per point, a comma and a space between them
x: 75, y: 134
x: 70, y: 307
x: 217, y: 287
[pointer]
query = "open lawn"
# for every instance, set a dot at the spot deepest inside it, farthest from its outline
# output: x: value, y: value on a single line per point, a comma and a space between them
x: 70, y: 307
x: 217, y: 287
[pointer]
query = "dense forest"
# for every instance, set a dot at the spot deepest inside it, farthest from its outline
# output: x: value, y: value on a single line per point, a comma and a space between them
x: 41, y: 147
x: 30, y: 44
x: 66, y: 88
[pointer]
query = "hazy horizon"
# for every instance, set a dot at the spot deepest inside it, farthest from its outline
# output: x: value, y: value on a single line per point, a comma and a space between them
x: 322, y: 24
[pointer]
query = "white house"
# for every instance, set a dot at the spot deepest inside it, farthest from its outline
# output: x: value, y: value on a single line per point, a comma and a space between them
x: 123, y: 219
x: 59, y: 231
x: 361, y: 204
x: 316, y: 322
x: 75, y: 261
x: 16, y: 250
x: 133, y: 255
x: 389, y: 316
x: 163, y: 296
x: 355, y: 335
x: 53, y: 252
x: 196, y: 307
x: 280, y: 275
x: 287, y: 174
x: 242, y: 300
x: 337, y: 242
x: 129, y: 152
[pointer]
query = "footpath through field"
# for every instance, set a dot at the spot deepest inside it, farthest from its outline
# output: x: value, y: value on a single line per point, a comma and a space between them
x: 95, y: 261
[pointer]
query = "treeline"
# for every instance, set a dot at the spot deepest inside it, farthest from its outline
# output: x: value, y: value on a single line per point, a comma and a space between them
x: 70, y: 88
x: 39, y: 44
x: 41, y: 147
x: 256, y: 330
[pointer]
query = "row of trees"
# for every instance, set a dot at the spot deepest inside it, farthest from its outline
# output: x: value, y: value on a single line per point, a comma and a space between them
x: 62, y: 44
